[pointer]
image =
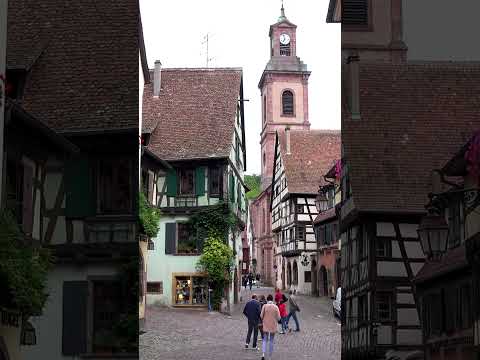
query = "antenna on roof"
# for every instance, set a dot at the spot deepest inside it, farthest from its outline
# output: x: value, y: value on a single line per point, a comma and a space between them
x: 205, y: 41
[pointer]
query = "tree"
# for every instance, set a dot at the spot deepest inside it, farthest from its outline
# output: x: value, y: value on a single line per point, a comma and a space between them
x: 254, y: 184
x: 216, y: 261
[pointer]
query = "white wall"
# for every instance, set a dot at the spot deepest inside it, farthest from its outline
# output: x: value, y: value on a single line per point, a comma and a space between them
x: 49, y: 326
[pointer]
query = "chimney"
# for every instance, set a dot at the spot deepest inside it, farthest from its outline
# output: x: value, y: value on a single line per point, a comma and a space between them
x: 157, y: 78
x: 354, y: 86
x: 287, y: 137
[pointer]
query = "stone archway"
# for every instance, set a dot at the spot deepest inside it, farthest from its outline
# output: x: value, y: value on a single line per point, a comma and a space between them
x: 295, y: 273
x: 289, y: 275
x: 323, y: 281
x: 314, y: 278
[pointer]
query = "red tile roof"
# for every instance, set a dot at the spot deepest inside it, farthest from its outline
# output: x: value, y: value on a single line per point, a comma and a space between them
x: 194, y: 116
x: 312, y: 154
x: 83, y: 58
x: 414, y: 118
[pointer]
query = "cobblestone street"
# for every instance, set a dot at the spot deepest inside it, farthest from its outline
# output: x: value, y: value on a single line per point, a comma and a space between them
x: 197, y: 334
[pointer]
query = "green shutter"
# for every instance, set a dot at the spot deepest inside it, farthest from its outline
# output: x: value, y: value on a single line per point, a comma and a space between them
x: 232, y: 188
x: 78, y: 188
x: 200, y: 181
x: 170, y: 238
x: 172, y: 183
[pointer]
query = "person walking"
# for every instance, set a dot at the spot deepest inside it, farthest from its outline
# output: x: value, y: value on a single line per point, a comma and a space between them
x: 245, y: 281
x: 262, y: 301
x: 250, y: 281
x: 278, y: 296
x: 283, y: 314
x: 252, y: 311
x: 293, y: 309
x: 270, y: 316
x: 258, y: 280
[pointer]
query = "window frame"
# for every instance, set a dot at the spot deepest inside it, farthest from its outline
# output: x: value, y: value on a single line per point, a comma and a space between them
x: 100, y: 186
x: 148, y: 289
x: 365, y: 27
x: 219, y: 176
x: 282, y: 101
x: 180, y: 172
x: 389, y: 301
x: 190, y: 236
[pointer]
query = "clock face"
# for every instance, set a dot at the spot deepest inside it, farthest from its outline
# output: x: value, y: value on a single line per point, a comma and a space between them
x: 284, y: 39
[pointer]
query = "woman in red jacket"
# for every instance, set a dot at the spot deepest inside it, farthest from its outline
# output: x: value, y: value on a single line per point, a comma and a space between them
x: 283, y: 314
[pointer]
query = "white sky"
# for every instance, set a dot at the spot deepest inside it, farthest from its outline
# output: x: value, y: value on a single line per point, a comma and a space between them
x: 174, y: 32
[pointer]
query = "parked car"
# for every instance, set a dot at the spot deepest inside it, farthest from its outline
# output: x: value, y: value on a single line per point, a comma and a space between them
x: 337, y: 303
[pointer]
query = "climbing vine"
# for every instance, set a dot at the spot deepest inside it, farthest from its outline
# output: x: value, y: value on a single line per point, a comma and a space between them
x: 149, y: 216
x: 23, y: 269
x: 217, y: 260
x: 215, y: 222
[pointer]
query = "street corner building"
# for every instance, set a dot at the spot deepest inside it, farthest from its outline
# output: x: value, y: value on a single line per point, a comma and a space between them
x: 192, y: 118
x: 72, y: 165
x: 302, y: 158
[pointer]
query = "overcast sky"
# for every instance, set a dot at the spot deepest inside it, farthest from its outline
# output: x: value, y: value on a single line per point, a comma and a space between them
x: 174, y: 32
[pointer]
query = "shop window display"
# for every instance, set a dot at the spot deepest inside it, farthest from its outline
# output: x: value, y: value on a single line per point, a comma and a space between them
x: 191, y: 290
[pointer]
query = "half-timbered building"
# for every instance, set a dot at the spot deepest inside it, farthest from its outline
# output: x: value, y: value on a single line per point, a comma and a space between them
x: 390, y: 143
x: 194, y: 120
x: 445, y: 284
x: 284, y: 98
x: 326, y: 266
x: 73, y: 71
x: 302, y: 157
x: 31, y: 149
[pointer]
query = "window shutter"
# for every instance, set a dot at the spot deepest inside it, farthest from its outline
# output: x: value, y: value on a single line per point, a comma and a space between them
x: 355, y: 12
x: 74, y: 323
x: 170, y: 238
x: 232, y: 188
x: 172, y: 183
x: 78, y: 188
x: 200, y: 181
x: 27, y: 218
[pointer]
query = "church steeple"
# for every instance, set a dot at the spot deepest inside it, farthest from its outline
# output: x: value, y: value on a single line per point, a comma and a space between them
x: 282, y: 14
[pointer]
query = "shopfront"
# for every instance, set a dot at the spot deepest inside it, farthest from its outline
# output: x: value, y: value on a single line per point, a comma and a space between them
x: 190, y: 289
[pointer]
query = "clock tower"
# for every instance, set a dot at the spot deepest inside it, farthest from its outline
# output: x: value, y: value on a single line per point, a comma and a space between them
x: 284, y: 91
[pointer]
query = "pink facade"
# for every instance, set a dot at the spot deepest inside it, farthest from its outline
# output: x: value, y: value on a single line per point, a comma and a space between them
x: 282, y: 73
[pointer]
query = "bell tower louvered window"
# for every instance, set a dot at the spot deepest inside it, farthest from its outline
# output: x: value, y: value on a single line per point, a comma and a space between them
x: 287, y: 102
x: 355, y: 12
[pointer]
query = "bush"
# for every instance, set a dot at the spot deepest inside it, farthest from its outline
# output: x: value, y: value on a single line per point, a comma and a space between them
x: 149, y: 216
x: 216, y: 260
x: 23, y: 269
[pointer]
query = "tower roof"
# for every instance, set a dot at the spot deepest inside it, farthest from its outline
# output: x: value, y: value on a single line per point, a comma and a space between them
x: 282, y: 19
x: 282, y: 16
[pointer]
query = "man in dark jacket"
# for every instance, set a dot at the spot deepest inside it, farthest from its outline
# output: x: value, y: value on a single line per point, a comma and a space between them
x: 252, y: 311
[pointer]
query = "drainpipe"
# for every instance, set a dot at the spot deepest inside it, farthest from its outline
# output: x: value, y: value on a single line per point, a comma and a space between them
x: 3, y: 56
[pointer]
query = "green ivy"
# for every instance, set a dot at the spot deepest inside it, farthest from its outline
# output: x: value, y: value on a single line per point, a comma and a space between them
x: 254, y: 184
x: 126, y: 329
x: 216, y: 260
x: 149, y: 216
x: 23, y: 269
x: 215, y: 222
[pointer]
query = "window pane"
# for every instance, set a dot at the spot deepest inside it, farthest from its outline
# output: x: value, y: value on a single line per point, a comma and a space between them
x: 200, y: 291
x: 186, y: 242
x: 115, y: 187
x: 182, y: 290
x: 287, y: 103
x: 186, y: 181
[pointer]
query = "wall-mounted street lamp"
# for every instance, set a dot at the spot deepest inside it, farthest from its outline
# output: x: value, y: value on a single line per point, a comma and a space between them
x: 433, y: 233
x: 433, y: 229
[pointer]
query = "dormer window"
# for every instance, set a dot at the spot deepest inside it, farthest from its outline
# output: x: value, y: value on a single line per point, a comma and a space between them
x: 287, y: 102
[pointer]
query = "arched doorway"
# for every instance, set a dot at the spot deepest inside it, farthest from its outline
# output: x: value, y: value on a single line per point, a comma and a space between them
x: 323, y: 281
x: 295, y: 273
x: 289, y: 275
x: 314, y: 278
